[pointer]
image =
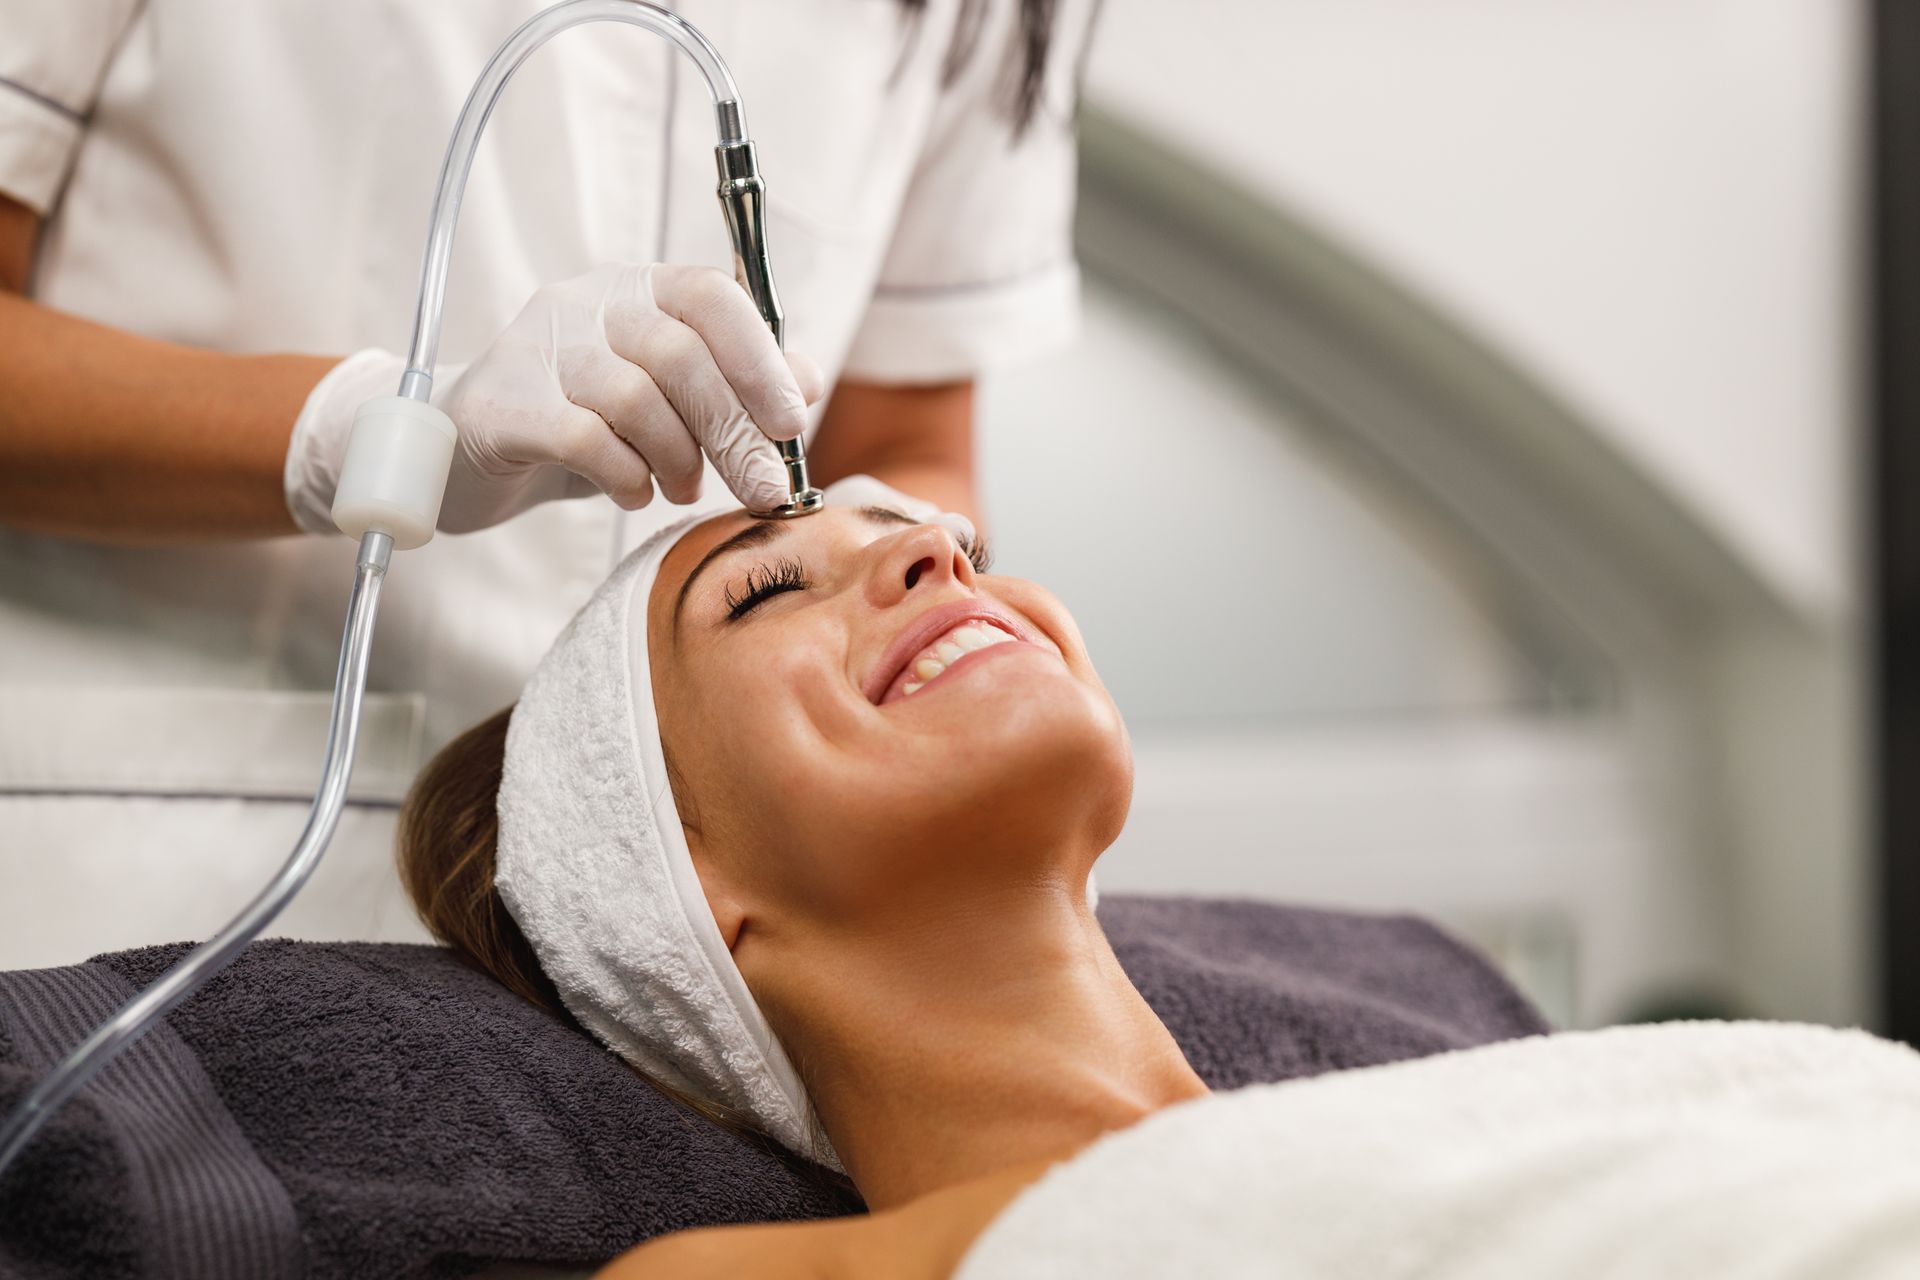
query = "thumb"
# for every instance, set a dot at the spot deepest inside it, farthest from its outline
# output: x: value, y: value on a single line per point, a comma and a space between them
x: 813, y: 383
x: 751, y: 468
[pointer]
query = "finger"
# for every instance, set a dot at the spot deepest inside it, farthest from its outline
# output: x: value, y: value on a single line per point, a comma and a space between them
x: 812, y: 381
x: 589, y: 448
x: 632, y: 404
x: 750, y: 467
x: 683, y: 368
x: 742, y: 347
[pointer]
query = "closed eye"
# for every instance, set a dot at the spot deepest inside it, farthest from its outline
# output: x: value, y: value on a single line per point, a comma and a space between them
x: 763, y: 583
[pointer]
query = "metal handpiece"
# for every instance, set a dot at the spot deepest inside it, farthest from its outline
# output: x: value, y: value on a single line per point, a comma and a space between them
x: 741, y: 196
x: 743, y: 200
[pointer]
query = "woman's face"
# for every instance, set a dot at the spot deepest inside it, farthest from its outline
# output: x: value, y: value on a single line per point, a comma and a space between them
x: 856, y: 715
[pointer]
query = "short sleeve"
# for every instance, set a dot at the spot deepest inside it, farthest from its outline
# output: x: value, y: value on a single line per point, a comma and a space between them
x: 53, y: 55
x: 980, y: 271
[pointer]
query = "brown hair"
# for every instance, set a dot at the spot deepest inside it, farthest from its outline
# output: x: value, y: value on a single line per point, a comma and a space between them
x: 448, y: 839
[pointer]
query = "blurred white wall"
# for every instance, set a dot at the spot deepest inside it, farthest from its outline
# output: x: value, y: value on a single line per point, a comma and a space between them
x: 1325, y: 703
x: 1240, y: 577
x: 1648, y: 206
x: 1650, y: 202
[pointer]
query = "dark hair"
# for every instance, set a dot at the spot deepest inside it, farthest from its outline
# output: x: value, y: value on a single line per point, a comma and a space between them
x: 1027, y: 58
x: 446, y: 848
x: 448, y: 840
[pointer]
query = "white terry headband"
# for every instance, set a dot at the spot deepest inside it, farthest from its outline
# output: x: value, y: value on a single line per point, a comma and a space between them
x: 593, y: 865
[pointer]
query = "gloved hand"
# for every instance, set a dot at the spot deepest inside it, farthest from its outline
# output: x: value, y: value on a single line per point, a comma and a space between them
x: 607, y: 382
x: 865, y: 491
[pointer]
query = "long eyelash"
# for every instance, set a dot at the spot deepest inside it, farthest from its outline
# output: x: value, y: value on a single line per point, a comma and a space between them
x: 765, y: 582
x: 769, y: 580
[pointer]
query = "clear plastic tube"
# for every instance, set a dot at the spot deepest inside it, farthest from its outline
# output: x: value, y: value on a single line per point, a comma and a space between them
x: 376, y: 550
x: 207, y: 959
x: 534, y: 32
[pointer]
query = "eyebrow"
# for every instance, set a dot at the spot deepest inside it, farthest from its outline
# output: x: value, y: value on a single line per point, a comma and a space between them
x: 758, y: 534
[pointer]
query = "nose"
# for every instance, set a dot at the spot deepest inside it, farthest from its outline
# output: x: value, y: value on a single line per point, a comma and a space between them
x: 914, y: 560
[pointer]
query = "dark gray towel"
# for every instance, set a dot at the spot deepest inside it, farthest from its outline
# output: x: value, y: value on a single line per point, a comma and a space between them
x: 365, y: 1110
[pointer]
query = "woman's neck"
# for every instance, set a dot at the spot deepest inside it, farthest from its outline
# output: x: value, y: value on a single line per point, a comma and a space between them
x: 944, y: 1046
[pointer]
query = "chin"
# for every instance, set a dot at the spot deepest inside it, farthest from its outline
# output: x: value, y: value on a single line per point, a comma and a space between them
x: 1033, y: 761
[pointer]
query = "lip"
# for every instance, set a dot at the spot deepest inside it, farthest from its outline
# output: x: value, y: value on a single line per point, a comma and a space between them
x: 929, y: 626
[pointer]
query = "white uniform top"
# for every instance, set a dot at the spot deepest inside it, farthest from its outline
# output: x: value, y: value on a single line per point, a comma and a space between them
x: 256, y: 177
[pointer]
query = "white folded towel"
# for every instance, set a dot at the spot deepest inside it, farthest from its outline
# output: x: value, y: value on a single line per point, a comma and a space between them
x: 594, y: 867
x: 1685, y: 1150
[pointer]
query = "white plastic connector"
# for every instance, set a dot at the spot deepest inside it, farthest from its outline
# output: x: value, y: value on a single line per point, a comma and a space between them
x: 395, y: 472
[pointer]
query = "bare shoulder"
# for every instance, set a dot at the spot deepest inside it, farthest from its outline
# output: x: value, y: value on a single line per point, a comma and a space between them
x: 857, y: 1248
x: 923, y: 1240
x: 931, y: 1235
x: 800, y: 1249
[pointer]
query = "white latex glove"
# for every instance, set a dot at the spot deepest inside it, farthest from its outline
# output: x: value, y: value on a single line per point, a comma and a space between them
x: 609, y: 382
x: 865, y: 491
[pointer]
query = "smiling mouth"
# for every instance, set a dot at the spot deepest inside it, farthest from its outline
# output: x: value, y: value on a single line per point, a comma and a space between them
x: 933, y: 661
x: 969, y: 632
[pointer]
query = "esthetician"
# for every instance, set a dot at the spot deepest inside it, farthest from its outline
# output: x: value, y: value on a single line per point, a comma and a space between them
x: 211, y: 218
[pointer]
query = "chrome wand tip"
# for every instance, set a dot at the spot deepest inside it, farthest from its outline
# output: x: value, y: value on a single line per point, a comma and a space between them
x: 804, y: 499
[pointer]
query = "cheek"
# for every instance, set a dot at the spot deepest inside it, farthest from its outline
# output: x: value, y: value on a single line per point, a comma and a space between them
x: 1044, y: 610
x: 772, y: 778
x: 824, y: 805
x: 1024, y: 779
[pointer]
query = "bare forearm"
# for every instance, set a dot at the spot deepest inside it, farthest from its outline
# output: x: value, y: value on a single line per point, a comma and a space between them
x: 917, y: 439
x: 113, y: 437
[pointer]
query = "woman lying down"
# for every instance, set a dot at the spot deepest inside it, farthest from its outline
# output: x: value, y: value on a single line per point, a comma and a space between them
x: 799, y: 818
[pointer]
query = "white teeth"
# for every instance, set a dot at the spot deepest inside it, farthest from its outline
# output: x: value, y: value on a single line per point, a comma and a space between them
x: 949, y: 649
